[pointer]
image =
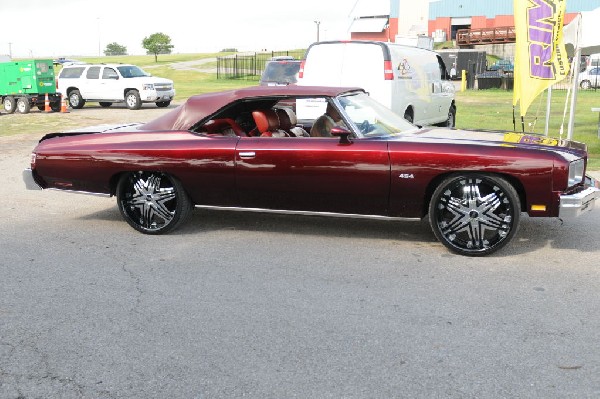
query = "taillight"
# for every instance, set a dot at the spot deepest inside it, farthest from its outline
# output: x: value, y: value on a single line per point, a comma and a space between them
x: 388, y: 71
x: 301, y: 72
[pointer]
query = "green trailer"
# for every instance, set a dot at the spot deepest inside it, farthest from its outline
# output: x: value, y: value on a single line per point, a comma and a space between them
x: 24, y: 84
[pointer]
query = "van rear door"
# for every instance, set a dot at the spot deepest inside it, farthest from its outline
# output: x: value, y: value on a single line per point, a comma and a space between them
x: 323, y: 65
x: 349, y: 64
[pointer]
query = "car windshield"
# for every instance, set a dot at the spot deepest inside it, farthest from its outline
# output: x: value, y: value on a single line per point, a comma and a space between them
x: 371, y: 118
x: 132, y: 71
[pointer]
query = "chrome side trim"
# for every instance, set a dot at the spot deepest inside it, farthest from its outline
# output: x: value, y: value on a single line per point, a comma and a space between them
x: 30, y: 183
x: 304, y: 213
x: 80, y: 192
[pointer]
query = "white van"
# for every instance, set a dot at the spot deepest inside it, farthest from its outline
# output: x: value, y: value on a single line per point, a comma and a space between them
x: 412, y: 82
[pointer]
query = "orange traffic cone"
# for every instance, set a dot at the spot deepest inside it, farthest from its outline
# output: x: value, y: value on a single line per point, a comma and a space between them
x: 47, y: 104
x: 63, y: 104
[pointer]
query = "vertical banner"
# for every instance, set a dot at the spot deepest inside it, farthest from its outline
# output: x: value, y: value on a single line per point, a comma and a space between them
x: 540, y: 58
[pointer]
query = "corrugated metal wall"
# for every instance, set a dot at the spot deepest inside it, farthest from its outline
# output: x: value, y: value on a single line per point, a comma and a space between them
x: 468, y: 8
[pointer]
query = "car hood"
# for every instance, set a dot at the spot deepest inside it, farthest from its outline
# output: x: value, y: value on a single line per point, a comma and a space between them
x: 495, y: 138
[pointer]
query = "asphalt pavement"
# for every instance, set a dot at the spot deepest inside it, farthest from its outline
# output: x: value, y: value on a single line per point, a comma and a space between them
x: 267, y: 306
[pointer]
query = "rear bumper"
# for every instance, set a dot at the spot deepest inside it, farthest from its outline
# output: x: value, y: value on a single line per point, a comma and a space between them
x: 30, y: 183
x: 574, y: 205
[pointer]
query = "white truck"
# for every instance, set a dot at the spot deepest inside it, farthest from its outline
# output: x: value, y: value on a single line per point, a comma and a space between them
x: 113, y: 83
x: 411, y: 81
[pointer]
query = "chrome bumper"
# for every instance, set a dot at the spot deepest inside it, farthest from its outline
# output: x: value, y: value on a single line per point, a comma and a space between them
x: 574, y: 205
x: 30, y: 182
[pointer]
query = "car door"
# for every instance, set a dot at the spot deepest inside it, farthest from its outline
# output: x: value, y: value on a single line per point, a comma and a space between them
x: 313, y: 174
x: 107, y: 88
x: 91, y: 89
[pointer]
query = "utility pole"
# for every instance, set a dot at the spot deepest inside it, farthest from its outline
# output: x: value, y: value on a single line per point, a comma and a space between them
x: 318, y: 23
x: 99, y: 47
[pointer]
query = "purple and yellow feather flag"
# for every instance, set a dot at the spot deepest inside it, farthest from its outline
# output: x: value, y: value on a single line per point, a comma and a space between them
x: 540, y: 58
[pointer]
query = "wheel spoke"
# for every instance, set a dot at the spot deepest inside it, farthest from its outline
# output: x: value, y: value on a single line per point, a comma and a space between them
x: 149, y: 203
x: 473, y: 215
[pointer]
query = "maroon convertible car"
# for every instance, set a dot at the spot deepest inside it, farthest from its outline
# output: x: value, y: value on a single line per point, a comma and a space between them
x: 319, y: 151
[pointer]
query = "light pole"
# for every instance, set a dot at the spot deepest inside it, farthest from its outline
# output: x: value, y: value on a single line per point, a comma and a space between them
x: 318, y: 23
x: 99, y: 47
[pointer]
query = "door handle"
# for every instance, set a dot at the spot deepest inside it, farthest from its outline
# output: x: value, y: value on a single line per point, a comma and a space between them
x: 247, y: 154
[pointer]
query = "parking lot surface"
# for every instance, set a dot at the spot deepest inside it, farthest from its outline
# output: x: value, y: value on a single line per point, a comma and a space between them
x: 267, y: 306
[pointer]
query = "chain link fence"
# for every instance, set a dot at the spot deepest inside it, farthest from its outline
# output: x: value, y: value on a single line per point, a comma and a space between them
x: 249, y: 66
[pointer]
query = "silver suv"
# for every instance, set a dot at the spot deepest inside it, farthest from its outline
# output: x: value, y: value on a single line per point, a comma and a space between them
x: 113, y: 83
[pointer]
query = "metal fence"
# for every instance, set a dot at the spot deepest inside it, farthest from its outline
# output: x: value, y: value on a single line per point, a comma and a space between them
x: 249, y: 66
x: 499, y: 80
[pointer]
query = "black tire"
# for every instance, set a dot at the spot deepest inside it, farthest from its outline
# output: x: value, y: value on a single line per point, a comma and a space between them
x: 23, y: 105
x: 75, y: 100
x: 105, y: 104
x: 450, y: 121
x: 55, y: 106
x: 163, y: 104
x: 153, y: 202
x: 132, y: 99
x: 474, y: 214
x: 408, y: 115
x: 585, y: 84
x: 9, y: 104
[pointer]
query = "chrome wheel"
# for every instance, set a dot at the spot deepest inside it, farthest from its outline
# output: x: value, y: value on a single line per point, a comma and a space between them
x: 10, y: 104
x: 76, y: 101
x: 132, y: 99
x: 474, y: 215
x: 152, y: 203
x: 586, y: 84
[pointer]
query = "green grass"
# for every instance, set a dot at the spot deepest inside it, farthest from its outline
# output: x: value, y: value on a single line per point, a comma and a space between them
x: 484, y: 109
x: 148, y: 60
x: 492, y: 109
x: 189, y: 83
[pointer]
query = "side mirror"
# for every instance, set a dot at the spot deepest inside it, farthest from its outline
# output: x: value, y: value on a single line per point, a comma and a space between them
x: 342, y: 133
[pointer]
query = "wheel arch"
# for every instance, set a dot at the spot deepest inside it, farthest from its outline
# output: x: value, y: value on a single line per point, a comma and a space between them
x: 114, y: 179
x: 128, y: 89
x: 70, y: 89
x: 512, y: 180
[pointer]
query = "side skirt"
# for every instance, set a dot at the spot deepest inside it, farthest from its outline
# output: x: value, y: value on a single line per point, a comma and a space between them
x: 305, y: 213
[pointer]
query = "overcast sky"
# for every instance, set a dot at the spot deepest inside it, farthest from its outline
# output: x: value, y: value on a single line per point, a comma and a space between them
x: 42, y: 28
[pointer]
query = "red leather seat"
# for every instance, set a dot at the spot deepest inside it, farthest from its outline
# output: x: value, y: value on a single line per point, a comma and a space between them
x: 267, y: 123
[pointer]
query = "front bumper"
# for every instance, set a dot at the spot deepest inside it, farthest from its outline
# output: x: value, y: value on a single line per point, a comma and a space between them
x: 30, y: 183
x: 574, y: 205
x: 157, y: 95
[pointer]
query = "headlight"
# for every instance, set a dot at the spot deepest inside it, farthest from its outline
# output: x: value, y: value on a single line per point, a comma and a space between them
x: 576, y: 172
x: 148, y: 86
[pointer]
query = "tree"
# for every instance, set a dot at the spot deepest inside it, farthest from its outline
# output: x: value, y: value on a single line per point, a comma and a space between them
x: 115, y: 48
x: 157, y: 43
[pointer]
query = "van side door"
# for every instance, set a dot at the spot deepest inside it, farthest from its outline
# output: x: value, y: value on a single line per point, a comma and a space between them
x: 442, y: 90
